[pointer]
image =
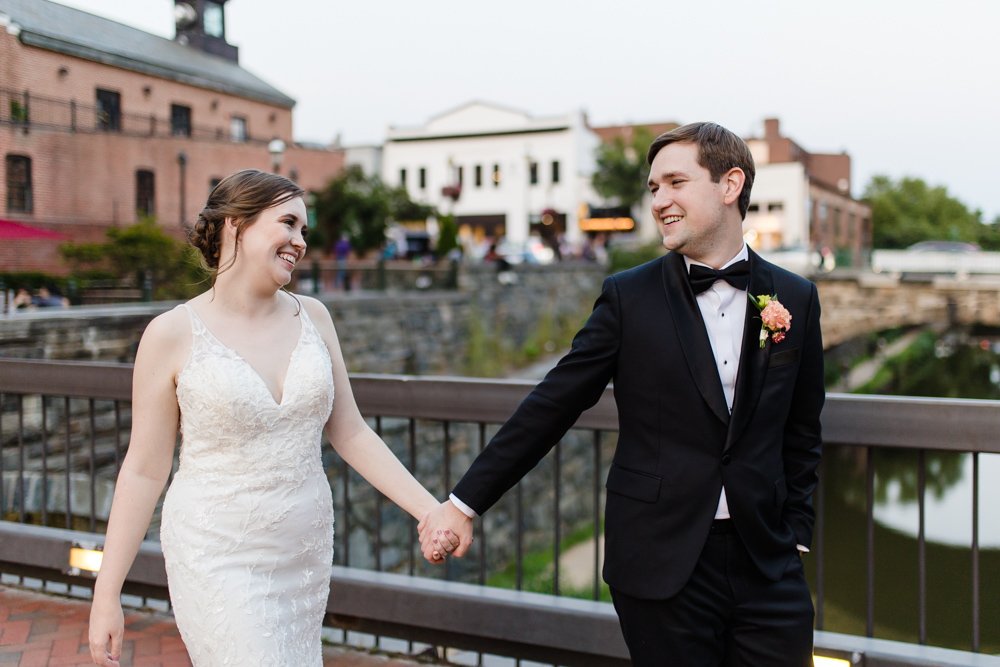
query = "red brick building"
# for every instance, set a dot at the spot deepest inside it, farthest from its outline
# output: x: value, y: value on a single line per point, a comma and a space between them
x: 801, y: 200
x: 102, y: 124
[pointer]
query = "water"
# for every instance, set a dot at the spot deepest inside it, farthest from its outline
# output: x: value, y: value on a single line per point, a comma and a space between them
x: 956, y: 364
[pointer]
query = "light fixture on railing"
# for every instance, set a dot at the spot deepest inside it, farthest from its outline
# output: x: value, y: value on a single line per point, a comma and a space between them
x: 85, y: 557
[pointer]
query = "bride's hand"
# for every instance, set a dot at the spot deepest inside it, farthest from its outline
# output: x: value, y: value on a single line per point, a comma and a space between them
x: 107, y: 628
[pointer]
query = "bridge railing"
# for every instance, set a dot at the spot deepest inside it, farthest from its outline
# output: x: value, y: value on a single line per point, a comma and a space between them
x: 64, y: 431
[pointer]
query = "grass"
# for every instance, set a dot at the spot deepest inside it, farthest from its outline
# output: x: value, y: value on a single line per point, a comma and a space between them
x: 538, y: 573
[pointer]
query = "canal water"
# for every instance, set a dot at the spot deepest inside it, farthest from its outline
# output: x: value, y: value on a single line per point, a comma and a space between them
x: 956, y: 364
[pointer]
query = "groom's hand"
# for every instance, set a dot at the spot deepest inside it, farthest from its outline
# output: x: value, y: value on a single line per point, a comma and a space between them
x: 445, y: 529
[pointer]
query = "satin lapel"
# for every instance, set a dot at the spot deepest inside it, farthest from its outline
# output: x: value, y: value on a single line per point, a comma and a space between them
x: 692, y: 334
x: 753, y: 360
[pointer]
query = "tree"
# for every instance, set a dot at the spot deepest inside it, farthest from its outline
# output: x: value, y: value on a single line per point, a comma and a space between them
x: 621, y: 168
x: 909, y: 210
x: 134, y: 252
x: 362, y: 207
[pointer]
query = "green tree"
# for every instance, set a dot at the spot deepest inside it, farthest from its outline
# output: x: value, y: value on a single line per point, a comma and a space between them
x: 447, y: 235
x: 621, y: 168
x: 362, y: 207
x: 909, y: 210
x: 133, y: 252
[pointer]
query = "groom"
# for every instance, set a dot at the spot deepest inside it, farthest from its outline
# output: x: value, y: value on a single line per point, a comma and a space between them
x: 709, y: 496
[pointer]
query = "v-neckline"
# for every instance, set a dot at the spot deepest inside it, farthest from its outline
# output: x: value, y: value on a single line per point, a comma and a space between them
x: 288, y: 366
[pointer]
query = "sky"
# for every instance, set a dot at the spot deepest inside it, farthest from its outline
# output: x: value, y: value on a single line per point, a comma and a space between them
x: 906, y: 87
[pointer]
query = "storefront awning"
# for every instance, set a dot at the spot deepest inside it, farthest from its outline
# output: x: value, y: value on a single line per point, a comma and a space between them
x: 9, y: 229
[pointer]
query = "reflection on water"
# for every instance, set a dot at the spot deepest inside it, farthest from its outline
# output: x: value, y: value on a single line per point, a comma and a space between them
x: 948, y: 514
x: 958, y: 364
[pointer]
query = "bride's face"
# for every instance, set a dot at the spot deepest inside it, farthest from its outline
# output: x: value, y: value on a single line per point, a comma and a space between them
x: 275, y: 243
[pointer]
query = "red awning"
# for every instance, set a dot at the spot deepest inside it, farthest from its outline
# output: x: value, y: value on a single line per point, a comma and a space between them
x: 18, y: 230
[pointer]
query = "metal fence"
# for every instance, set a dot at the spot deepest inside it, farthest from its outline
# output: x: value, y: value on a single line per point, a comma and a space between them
x: 63, y: 434
x: 29, y: 111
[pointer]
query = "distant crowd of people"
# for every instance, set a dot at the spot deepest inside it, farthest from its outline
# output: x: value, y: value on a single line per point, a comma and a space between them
x: 42, y: 298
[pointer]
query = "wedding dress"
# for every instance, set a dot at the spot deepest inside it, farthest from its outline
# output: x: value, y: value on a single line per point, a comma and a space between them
x: 247, y: 524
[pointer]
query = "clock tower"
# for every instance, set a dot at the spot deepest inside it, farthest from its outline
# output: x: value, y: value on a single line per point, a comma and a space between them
x: 201, y: 24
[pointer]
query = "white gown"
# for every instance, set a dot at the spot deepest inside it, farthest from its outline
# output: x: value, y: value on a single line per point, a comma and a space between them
x: 247, y: 524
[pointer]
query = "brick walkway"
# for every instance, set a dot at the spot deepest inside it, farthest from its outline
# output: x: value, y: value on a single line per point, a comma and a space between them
x: 38, y: 629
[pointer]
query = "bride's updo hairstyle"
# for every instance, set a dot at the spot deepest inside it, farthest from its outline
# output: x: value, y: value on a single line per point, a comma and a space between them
x: 240, y: 196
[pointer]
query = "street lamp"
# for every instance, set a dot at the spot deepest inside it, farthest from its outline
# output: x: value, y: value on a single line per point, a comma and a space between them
x: 182, y: 160
x: 276, y: 147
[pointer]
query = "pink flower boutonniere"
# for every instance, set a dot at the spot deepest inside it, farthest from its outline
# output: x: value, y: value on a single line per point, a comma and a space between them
x: 775, y: 320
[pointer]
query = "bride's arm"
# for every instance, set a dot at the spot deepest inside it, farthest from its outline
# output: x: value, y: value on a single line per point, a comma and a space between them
x: 143, y: 475
x: 355, y: 441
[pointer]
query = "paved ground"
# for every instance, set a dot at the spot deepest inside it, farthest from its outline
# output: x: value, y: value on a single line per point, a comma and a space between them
x: 38, y: 629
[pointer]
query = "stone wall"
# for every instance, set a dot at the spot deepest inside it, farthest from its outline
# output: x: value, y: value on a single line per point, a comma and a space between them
x: 413, y: 332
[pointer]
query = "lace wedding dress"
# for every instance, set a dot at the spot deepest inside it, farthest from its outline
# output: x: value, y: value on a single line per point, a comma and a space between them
x: 247, y: 527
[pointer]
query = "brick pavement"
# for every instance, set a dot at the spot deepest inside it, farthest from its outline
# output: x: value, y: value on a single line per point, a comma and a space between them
x: 37, y: 629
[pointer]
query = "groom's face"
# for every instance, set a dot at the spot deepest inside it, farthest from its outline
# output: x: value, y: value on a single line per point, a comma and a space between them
x: 688, y: 206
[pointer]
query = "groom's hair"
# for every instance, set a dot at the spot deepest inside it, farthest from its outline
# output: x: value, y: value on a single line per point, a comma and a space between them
x: 719, y: 150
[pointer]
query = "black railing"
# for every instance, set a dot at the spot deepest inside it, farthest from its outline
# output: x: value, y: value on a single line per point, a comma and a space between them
x: 64, y: 429
x: 35, y: 112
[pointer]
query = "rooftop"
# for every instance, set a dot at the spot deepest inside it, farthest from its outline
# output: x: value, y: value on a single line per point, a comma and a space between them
x: 54, y: 27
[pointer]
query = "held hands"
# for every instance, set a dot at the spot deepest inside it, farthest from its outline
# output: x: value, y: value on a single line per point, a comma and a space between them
x: 107, y: 628
x: 444, y: 530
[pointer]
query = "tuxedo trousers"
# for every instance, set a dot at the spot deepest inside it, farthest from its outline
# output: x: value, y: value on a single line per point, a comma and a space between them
x: 728, y: 614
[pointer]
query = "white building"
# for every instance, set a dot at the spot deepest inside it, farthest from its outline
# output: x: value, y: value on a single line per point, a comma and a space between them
x: 498, y: 170
x: 779, y: 207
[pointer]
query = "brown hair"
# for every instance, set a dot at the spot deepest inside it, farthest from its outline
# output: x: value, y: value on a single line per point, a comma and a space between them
x: 719, y: 150
x: 240, y: 196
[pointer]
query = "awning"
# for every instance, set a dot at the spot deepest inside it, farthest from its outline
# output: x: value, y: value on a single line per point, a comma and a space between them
x: 10, y: 229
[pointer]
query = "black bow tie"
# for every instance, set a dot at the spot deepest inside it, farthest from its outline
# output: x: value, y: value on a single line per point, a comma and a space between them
x: 703, y: 277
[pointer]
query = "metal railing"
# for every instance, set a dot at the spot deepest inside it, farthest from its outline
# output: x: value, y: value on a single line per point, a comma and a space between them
x: 63, y: 432
x: 29, y: 111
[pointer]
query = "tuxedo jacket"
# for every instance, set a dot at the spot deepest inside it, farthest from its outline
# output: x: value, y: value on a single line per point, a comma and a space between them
x: 678, y: 443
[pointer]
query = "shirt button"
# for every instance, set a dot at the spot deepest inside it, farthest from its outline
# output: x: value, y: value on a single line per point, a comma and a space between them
x: 726, y: 458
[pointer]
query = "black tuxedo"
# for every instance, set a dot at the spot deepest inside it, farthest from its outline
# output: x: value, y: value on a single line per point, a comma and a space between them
x: 678, y: 443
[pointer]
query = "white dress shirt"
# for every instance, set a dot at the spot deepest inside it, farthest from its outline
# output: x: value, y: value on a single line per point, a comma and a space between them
x: 724, y: 310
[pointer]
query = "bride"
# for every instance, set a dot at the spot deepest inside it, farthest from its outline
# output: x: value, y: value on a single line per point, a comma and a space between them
x: 247, y: 372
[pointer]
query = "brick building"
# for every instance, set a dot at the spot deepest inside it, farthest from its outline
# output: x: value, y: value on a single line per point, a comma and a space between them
x: 102, y: 124
x: 802, y: 201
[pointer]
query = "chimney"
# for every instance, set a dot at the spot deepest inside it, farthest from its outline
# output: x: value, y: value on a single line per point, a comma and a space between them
x: 772, y: 129
x: 201, y: 24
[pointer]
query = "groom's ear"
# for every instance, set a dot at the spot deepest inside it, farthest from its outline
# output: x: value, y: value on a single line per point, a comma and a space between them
x: 732, y: 182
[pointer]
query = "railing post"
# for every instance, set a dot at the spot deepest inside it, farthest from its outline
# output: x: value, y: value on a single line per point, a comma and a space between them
x: 380, y: 276
x: 27, y: 112
x: 314, y: 273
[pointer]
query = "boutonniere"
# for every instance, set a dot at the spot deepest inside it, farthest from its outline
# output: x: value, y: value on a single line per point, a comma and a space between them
x: 775, y: 320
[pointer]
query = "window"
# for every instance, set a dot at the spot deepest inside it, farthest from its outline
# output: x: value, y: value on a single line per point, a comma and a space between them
x: 180, y: 120
x: 460, y: 175
x: 238, y: 128
x: 402, y: 177
x: 533, y: 173
x: 213, y: 19
x: 145, y: 192
x: 555, y: 171
x: 496, y: 176
x: 753, y: 208
x: 422, y: 178
x: 479, y: 175
x: 19, y: 199
x: 212, y: 182
x: 109, y: 111
x: 775, y: 207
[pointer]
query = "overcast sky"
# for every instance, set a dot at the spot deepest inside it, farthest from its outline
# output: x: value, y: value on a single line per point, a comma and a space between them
x: 907, y: 87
